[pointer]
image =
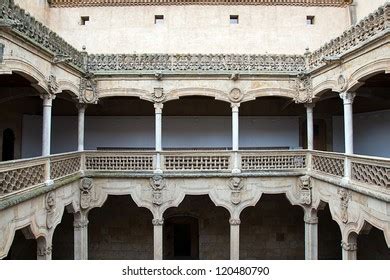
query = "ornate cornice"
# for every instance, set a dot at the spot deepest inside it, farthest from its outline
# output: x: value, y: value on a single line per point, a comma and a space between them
x: 86, y: 3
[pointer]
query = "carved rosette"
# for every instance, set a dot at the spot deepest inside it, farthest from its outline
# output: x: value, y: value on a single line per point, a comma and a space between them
x: 157, y: 183
x: 236, y: 95
x: 345, y: 196
x: 304, y: 190
x: 158, y: 95
x: 303, y: 89
x: 88, y: 90
x: 86, y: 188
x: 236, y: 184
x: 50, y: 205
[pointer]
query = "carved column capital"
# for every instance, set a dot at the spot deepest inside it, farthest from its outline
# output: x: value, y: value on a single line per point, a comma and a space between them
x: 48, y: 99
x: 347, y: 97
x: 158, y: 108
x: 81, y: 107
x: 80, y: 224
x: 158, y: 222
x: 310, y: 105
x: 234, y: 222
x: 235, y: 107
x: 349, y: 246
x: 311, y: 219
x: 44, y: 251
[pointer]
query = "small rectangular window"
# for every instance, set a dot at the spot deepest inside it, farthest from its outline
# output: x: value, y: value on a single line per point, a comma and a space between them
x: 309, y: 20
x: 233, y: 19
x: 158, y: 19
x: 84, y: 20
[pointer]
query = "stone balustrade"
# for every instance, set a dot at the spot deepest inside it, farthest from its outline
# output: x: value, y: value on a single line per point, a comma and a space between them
x: 23, y: 175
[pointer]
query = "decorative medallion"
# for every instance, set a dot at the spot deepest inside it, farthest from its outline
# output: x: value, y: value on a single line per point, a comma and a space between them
x: 52, y: 84
x: 88, y: 90
x: 303, y: 89
x: 158, y: 95
x: 304, y: 189
x: 341, y: 83
x: 236, y: 185
x: 345, y: 196
x: 50, y: 205
x: 236, y: 95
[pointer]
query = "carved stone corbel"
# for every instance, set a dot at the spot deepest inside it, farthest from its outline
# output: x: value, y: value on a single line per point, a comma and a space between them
x: 303, y: 89
x: 157, y: 183
x: 236, y: 184
x: 88, y: 89
x: 50, y: 206
x: 305, y: 190
x: 52, y: 84
x: 86, y: 190
x: 345, y: 196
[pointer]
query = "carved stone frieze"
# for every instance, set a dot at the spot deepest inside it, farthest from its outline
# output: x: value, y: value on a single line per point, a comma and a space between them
x: 86, y: 195
x: 157, y: 183
x: 303, y: 89
x: 345, y: 196
x: 236, y: 184
x: 88, y: 90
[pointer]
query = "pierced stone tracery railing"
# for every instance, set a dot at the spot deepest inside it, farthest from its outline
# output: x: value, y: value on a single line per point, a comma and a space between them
x: 273, y: 160
x: 329, y: 163
x: 370, y: 172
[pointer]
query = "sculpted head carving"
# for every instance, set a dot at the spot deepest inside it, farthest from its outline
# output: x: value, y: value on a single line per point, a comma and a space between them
x: 236, y: 95
x: 157, y: 182
x: 50, y: 201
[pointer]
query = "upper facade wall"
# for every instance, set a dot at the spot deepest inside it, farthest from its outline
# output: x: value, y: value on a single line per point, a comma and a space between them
x: 37, y: 8
x: 199, y: 29
x: 364, y: 7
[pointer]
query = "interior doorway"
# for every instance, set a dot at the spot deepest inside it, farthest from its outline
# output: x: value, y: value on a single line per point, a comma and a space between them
x: 181, y: 238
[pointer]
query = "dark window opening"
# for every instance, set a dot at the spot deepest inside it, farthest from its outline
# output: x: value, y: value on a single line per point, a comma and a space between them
x: 233, y: 19
x: 84, y: 20
x: 182, y: 240
x: 158, y: 19
x: 309, y: 20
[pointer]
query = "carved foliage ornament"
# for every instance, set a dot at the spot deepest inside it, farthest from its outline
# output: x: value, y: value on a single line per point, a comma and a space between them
x: 303, y: 89
x: 236, y: 184
x: 86, y: 189
x: 345, y: 196
x: 52, y: 84
x: 88, y: 90
x: 158, y: 184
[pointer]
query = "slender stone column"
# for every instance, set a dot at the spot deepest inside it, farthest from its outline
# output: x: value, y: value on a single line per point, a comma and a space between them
x: 311, y: 236
x: 158, y: 134
x: 81, y: 122
x: 309, y: 121
x: 234, y: 239
x: 80, y: 226
x: 46, y: 123
x: 158, y: 238
x: 44, y: 248
x: 235, y: 136
x: 348, y: 120
x: 349, y: 250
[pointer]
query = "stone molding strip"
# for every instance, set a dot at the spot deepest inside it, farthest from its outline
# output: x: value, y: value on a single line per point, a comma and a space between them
x: 86, y: 3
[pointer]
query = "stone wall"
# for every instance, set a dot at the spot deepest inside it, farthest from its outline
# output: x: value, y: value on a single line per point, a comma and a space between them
x: 273, y: 229
x: 120, y: 230
x: 214, y: 227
